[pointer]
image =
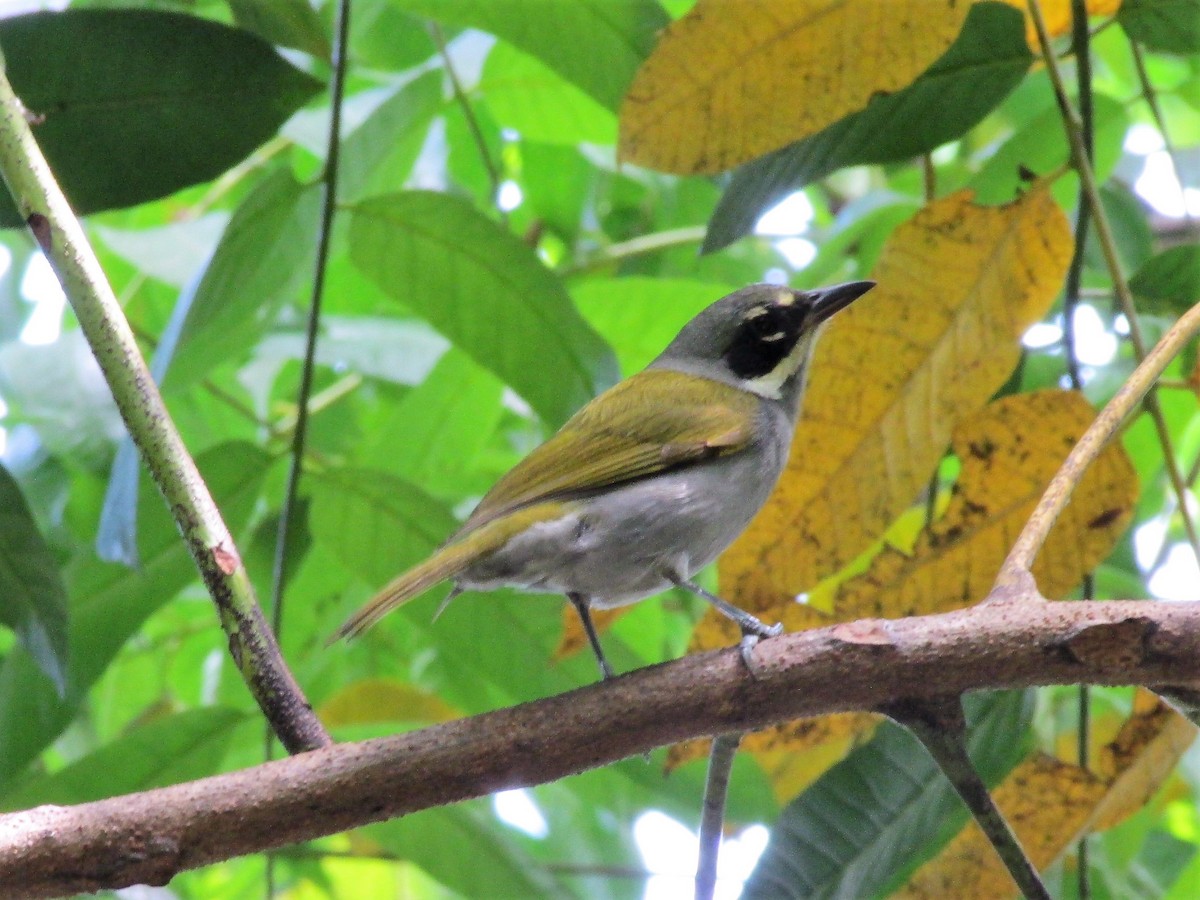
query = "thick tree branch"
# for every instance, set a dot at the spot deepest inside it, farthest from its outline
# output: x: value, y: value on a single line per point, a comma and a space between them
x: 148, y: 837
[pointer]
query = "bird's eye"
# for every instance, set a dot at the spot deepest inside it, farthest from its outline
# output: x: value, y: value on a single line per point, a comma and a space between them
x: 764, y: 323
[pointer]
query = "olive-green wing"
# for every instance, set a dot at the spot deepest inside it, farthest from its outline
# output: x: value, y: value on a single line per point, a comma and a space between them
x: 651, y: 422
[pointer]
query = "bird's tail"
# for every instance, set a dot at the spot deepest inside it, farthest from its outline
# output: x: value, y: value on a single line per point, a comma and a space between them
x: 446, y: 563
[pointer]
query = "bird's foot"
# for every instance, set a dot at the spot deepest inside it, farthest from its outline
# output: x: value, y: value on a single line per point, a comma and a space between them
x: 750, y: 638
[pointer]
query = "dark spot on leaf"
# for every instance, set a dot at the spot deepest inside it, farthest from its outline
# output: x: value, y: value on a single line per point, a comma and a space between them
x: 1105, y: 518
x: 982, y: 449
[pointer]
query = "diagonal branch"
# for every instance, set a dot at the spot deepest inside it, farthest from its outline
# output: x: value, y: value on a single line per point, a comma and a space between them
x: 1014, y: 574
x: 148, y: 837
x: 1089, y: 186
x: 103, y: 323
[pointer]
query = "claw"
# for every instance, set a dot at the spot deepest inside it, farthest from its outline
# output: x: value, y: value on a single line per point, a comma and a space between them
x: 749, y: 641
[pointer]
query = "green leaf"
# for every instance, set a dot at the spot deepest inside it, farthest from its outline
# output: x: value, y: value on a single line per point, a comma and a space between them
x: 109, y: 602
x: 884, y: 808
x: 437, y: 431
x: 375, y: 523
x: 529, y: 97
x: 262, y: 259
x: 987, y: 60
x: 437, y: 839
x: 1171, y: 279
x: 487, y: 292
x: 167, y: 750
x: 596, y: 44
x: 1040, y: 146
x: 641, y: 315
x: 556, y: 183
x: 33, y: 601
x: 378, y: 155
x: 172, y: 253
x: 1172, y: 26
x: 59, y: 390
x: 385, y: 38
x: 183, y: 100
x: 291, y: 23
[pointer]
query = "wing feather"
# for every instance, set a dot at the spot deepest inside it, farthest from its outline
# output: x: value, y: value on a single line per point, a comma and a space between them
x: 612, y: 440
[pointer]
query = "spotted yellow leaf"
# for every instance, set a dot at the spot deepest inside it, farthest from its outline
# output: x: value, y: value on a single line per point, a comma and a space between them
x: 958, y: 284
x: 1047, y: 803
x: 1009, y: 451
x: 732, y: 80
x: 795, y: 754
x: 1137, y: 761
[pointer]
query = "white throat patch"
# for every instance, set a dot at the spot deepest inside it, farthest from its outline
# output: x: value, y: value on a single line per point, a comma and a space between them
x: 771, y: 384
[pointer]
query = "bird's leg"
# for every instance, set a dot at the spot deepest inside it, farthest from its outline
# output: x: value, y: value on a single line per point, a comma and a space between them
x: 752, y: 628
x: 585, y: 616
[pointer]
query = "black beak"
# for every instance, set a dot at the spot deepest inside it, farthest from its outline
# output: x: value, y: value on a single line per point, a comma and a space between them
x: 824, y: 303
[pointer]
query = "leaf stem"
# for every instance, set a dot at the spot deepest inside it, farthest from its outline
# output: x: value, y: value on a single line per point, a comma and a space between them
x: 638, y: 246
x: 939, y: 725
x: 61, y: 237
x: 460, y: 97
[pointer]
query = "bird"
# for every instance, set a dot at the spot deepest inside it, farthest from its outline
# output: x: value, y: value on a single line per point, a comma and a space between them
x: 652, y: 479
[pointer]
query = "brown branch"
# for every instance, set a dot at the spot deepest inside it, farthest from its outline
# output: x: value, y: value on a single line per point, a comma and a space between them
x: 148, y: 837
x: 1014, y: 574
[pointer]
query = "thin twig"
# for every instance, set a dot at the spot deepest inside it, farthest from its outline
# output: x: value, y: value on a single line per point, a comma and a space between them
x: 1014, y: 574
x: 321, y: 400
x: 1074, y: 129
x: 712, y: 814
x: 1080, y: 45
x: 1160, y: 121
x: 460, y: 97
x: 638, y: 246
x: 939, y: 725
x: 103, y: 323
x: 329, y: 179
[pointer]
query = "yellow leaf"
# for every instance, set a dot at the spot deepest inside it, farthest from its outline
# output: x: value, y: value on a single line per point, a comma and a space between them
x: 1139, y: 759
x: 1057, y: 14
x: 795, y: 754
x: 732, y: 79
x: 1047, y: 803
x: 891, y: 378
x: 1009, y: 451
x: 374, y: 700
x: 573, y: 638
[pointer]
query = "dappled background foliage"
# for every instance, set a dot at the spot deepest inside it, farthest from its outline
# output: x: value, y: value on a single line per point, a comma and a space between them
x: 535, y: 195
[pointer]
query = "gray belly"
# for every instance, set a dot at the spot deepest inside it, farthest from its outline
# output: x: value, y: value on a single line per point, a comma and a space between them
x: 632, y: 541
